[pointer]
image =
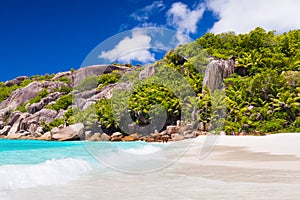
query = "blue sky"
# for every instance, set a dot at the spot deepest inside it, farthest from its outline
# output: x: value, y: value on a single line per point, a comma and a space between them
x: 48, y: 36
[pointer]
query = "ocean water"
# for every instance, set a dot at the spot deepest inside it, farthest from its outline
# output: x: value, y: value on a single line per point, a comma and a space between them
x: 137, y: 170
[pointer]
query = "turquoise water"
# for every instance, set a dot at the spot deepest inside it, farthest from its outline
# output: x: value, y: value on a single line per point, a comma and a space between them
x: 30, y: 163
x: 33, y: 151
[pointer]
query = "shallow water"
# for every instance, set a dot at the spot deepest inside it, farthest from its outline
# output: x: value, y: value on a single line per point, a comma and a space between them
x: 85, y: 170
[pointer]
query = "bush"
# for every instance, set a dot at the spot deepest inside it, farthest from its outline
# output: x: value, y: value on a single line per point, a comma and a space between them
x: 55, y: 123
x: 106, y: 79
x: 22, y: 108
x: 88, y: 83
x: 65, y: 89
x: 42, y: 94
x: 65, y: 79
x: 62, y: 103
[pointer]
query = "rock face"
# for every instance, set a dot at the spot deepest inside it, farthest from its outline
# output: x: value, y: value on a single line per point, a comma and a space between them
x: 5, y: 130
x: 15, y: 122
x: 28, y: 124
x: 81, y: 73
x: 86, y: 98
x: 23, y: 95
x: 148, y: 71
x: 72, y: 132
x: 35, y: 107
x: 16, y: 81
x: 216, y: 72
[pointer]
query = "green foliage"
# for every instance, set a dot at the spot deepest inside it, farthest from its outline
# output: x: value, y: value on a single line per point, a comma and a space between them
x: 88, y: 83
x: 148, y: 95
x: 55, y: 123
x: 65, y: 89
x: 42, y: 94
x: 105, y: 115
x: 65, y: 79
x: 6, y: 91
x: 62, y: 103
x: 106, y: 79
x: 265, y: 98
x: 22, y: 108
x: 42, y: 78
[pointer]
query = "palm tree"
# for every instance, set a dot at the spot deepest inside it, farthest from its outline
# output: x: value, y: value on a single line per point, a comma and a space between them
x: 287, y: 102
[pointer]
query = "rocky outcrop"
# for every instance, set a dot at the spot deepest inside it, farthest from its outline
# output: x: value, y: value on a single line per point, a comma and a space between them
x: 84, y: 99
x: 35, y: 107
x: 5, y: 130
x: 59, y: 75
x: 72, y: 132
x: 16, y: 81
x: 16, y: 121
x: 93, y: 70
x: 23, y: 95
x: 216, y: 72
x: 28, y: 123
x: 32, y: 122
x: 147, y: 71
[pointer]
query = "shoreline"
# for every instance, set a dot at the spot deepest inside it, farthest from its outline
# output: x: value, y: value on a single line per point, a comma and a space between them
x: 147, y: 138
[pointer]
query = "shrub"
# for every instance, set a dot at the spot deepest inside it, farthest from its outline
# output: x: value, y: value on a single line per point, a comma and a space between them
x: 22, y: 108
x: 106, y: 79
x: 42, y: 94
x: 65, y: 79
x: 62, y: 103
x: 88, y: 83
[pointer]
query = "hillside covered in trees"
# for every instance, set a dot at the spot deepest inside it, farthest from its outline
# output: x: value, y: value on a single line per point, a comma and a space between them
x: 261, y: 96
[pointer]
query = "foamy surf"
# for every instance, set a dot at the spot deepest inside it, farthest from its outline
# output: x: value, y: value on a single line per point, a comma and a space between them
x: 50, y: 172
x: 148, y: 149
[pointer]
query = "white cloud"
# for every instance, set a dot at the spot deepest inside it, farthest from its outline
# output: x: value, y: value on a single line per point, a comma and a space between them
x: 143, y: 14
x: 184, y: 19
x: 134, y: 48
x: 243, y: 16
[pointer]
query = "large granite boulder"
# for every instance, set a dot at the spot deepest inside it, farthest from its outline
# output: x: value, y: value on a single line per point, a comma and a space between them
x: 46, y: 115
x: 131, y: 138
x: 23, y: 95
x: 59, y: 75
x: 5, y: 130
x: 72, y: 132
x: 16, y: 122
x: 16, y: 81
x: 35, y: 107
x: 147, y: 71
x: 97, y: 70
x: 95, y: 137
x: 84, y: 99
x: 216, y: 72
x: 105, y: 137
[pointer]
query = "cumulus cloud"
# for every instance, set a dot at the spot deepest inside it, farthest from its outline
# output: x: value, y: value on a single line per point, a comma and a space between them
x: 184, y: 19
x: 143, y: 14
x: 243, y: 16
x: 134, y: 48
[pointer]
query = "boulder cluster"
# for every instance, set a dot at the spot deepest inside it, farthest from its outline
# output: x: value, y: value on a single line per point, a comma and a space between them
x: 17, y: 124
x: 79, y: 132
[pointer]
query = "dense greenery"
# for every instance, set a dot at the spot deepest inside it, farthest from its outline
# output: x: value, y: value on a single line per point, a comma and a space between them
x: 106, y: 79
x: 5, y: 91
x: 263, y: 96
x: 62, y: 103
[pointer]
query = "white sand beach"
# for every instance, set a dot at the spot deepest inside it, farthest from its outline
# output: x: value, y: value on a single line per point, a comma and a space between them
x: 237, y: 167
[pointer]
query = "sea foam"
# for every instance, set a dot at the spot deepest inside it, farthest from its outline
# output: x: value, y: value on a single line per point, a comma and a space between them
x: 148, y: 149
x: 50, y: 172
